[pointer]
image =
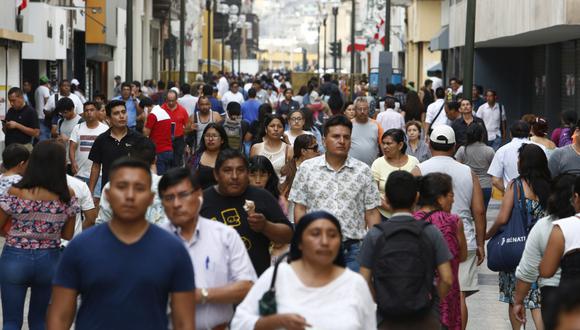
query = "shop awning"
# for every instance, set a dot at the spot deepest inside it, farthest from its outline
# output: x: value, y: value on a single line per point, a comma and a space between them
x: 432, y: 70
x: 15, y: 36
x: 441, y: 40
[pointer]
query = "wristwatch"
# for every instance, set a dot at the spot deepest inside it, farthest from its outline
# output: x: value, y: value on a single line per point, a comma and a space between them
x: 204, y: 295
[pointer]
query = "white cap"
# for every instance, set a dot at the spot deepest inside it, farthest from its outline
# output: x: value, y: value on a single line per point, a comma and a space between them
x: 442, y: 134
x: 175, y: 89
x: 314, y: 97
x: 75, y: 82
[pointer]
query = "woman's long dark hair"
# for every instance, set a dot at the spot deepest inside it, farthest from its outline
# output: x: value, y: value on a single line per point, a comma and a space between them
x: 263, y: 164
x: 269, y: 118
x: 305, y: 221
x: 201, y: 149
x: 413, y: 107
x: 398, y: 135
x: 562, y: 192
x: 47, y: 169
x: 289, y: 170
x: 533, y: 168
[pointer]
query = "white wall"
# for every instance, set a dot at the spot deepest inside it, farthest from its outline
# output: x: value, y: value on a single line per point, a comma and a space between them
x: 36, y: 17
x: 12, y: 72
x: 503, y: 18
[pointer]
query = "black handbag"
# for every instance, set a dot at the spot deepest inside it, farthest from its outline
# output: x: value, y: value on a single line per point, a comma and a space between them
x: 267, y: 305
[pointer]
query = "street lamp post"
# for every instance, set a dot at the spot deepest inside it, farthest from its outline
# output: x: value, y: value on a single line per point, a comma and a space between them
x: 335, y: 57
x: 324, y: 43
x: 182, y: 43
x: 208, y: 7
x: 352, y: 49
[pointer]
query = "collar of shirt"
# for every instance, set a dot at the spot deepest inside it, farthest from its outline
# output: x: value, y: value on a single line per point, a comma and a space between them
x: 324, y: 164
x: 198, y: 228
x: 401, y: 214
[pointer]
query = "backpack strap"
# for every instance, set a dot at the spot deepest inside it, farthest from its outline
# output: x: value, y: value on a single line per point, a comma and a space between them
x: 438, y: 113
x: 273, y: 283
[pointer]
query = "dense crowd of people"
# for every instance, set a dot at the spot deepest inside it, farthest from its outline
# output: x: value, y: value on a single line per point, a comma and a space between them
x: 239, y: 204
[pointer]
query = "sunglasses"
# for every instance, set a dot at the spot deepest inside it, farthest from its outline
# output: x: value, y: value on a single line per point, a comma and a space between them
x: 313, y: 148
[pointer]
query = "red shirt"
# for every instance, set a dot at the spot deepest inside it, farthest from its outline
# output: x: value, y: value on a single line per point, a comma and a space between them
x: 178, y: 116
x: 159, y: 122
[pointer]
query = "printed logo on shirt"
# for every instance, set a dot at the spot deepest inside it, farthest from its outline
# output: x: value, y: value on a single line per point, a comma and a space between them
x: 231, y: 217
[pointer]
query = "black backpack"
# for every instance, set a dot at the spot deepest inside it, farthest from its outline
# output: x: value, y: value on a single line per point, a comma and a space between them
x: 404, y: 269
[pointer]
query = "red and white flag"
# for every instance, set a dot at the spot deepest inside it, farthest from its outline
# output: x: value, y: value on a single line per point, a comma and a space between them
x: 380, y: 34
x: 360, y: 44
x: 21, y: 4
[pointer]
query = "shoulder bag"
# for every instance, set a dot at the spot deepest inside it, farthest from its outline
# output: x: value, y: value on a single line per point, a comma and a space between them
x: 505, y: 248
x: 267, y: 304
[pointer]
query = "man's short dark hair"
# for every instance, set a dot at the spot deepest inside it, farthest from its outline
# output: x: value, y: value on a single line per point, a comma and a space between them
x: 489, y: 90
x: 16, y: 90
x: 136, y: 83
x: 401, y: 190
x: 252, y: 93
x: 440, y: 93
x: 227, y: 154
x: 146, y: 102
x: 64, y: 104
x: 62, y: 82
x: 520, y: 129
x: 125, y: 84
x: 186, y: 89
x: 129, y: 162
x: 93, y: 103
x: 234, y: 109
x: 337, y: 120
x: 160, y: 84
x: 114, y: 103
x: 235, y: 82
x: 453, y: 79
x: 453, y: 105
x: 428, y: 82
x: 13, y: 155
x: 391, y: 89
x: 207, y: 90
x: 175, y: 176
x: 143, y: 150
x: 390, y: 103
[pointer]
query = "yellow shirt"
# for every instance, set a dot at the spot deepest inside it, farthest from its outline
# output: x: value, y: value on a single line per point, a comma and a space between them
x: 381, y: 170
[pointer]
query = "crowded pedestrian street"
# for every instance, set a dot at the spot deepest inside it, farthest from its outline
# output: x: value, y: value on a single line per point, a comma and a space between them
x: 286, y: 164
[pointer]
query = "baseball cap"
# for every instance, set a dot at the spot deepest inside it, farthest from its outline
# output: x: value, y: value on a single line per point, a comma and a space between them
x: 75, y: 82
x: 442, y: 134
x: 43, y: 79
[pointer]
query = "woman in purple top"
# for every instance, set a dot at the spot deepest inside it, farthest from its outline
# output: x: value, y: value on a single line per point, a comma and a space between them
x: 40, y: 210
x: 435, y: 201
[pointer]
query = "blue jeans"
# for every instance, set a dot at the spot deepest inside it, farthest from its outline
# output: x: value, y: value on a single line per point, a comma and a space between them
x: 98, y: 186
x: 351, y: 252
x: 164, y: 162
x: 486, y: 196
x: 21, y: 269
x: 495, y: 144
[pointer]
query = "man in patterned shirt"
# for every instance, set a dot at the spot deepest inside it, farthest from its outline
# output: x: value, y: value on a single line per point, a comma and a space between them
x: 341, y: 185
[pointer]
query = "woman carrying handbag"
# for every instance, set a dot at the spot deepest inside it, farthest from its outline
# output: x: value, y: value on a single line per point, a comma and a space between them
x: 527, y: 194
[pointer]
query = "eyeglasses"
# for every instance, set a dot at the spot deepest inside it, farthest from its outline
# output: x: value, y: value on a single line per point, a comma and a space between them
x: 313, y: 148
x: 296, y: 119
x: 211, y: 137
x: 180, y: 196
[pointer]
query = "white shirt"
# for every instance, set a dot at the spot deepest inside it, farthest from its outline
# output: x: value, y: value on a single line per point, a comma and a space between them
x: 490, y: 116
x: 232, y: 97
x: 40, y: 94
x: 84, y: 137
x: 223, y: 86
x: 50, y: 104
x: 189, y: 102
x: 219, y: 257
x: 571, y: 230
x: 505, y: 162
x: 292, y: 138
x: 437, y: 82
x: 155, y: 212
x: 85, y: 198
x: 343, y: 304
x: 390, y: 119
x: 432, y: 111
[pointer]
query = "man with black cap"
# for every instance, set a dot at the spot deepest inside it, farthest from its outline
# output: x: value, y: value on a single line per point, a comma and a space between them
x: 468, y: 204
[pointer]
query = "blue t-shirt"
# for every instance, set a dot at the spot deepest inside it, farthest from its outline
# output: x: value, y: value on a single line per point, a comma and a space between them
x: 124, y: 286
x: 250, y: 110
x: 131, y: 107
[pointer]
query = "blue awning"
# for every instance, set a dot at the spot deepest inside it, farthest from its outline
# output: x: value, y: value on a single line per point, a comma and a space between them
x: 441, y: 40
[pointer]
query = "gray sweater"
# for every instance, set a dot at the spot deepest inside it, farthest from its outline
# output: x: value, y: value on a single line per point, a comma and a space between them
x: 564, y: 160
x: 529, y: 268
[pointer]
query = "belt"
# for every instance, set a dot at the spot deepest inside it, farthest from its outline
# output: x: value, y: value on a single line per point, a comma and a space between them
x: 350, y: 242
